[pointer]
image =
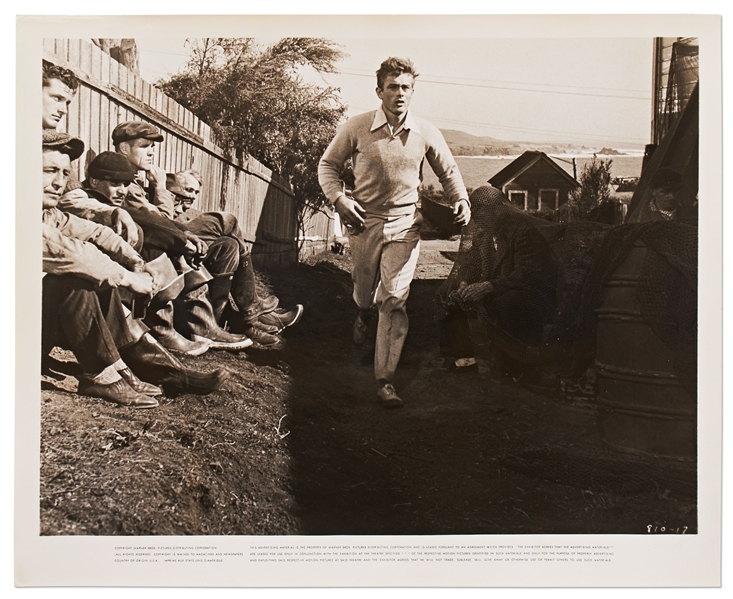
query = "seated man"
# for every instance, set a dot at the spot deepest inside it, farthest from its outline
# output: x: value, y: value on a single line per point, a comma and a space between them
x: 86, y: 263
x: 234, y: 284
x: 59, y: 88
x: 109, y: 176
x: 508, y: 278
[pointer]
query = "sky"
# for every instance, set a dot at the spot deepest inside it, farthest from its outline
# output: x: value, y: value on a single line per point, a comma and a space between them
x: 594, y: 91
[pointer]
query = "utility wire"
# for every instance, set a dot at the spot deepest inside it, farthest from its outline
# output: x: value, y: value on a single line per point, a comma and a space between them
x: 641, y: 91
x: 539, y: 91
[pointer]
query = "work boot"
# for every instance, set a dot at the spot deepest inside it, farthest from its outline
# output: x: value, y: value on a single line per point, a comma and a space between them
x: 261, y: 306
x: 219, y: 289
x: 195, y: 318
x: 138, y: 385
x: 160, y: 322
x: 154, y: 364
x: 280, y: 319
x: 118, y: 392
x: 244, y: 292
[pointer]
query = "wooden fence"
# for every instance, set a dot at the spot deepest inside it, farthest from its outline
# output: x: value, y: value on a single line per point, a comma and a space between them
x: 262, y: 201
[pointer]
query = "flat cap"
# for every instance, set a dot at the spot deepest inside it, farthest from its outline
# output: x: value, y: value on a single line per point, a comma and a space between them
x: 135, y: 130
x: 667, y: 179
x: 111, y: 166
x: 64, y: 143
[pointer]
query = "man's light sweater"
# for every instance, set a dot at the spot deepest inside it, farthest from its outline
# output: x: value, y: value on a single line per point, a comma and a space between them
x: 387, y: 167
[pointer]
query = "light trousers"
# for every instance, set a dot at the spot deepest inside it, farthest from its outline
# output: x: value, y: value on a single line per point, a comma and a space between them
x: 384, y: 260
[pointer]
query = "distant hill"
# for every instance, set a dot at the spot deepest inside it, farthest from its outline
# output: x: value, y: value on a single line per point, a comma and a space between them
x: 461, y: 138
x: 465, y: 144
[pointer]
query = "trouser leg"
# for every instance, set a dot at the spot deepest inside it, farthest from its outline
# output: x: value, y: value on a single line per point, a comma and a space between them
x: 366, y: 254
x: 385, y: 256
x: 223, y: 256
x: 399, y: 259
x: 73, y: 318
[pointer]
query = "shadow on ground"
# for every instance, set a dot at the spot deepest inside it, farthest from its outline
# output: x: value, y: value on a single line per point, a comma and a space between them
x: 465, y: 456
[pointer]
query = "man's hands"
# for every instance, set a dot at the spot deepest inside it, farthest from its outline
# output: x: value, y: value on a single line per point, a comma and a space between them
x: 473, y: 293
x: 195, y: 248
x: 351, y: 213
x: 139, y: 282
x: 124, y: 226
x: 462, y: 212
x: 156, y: 176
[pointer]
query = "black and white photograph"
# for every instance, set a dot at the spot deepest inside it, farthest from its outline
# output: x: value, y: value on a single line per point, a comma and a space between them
x: 325, y: 293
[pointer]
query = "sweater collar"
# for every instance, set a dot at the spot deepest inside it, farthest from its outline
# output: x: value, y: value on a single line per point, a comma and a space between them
x: 380, y: 120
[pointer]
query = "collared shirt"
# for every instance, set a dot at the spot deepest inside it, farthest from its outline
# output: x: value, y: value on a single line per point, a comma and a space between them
x: 380, y: 120
x: 388, y: 164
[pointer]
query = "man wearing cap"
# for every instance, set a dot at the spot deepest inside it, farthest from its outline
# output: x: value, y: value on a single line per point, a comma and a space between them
x: 666, y: 188
x: 59, y: 88
x: 86, y: 263
x: 136, y: 141
x: 234, y: 275
x: 109, y: 176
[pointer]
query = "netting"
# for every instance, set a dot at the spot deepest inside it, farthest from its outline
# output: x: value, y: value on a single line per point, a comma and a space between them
x: 536, y: 269
x: 535, y: 286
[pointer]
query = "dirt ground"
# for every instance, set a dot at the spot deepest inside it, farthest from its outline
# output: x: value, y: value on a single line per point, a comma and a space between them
x: 296, y: 443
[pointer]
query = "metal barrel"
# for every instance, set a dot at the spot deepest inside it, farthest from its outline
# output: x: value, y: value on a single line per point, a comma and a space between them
x: 645, y: 408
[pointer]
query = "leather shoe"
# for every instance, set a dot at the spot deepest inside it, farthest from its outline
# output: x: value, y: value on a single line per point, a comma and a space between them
x: 262, y: 340
x: 281, y: 320
x: 138, y: 385
x: 118, y: 392
x: 388, y: 397
x: 265, y: 328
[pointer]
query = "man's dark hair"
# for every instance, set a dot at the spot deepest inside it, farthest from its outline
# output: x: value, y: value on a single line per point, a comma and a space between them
x: 395, y: 67
x: 66, y: 76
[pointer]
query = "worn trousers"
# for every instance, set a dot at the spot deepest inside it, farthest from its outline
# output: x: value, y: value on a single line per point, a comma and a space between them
x: 91, y: 322
x: 384, y: 258
x: 227, y: 254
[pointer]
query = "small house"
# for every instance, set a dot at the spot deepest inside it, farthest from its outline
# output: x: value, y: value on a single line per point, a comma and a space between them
x: 536, y: 183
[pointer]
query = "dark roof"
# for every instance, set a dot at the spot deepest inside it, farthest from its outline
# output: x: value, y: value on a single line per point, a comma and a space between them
x: 512, y: 170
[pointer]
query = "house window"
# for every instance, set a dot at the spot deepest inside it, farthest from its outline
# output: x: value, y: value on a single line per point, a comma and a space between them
x: 549, y: 198
x: 518, y: 198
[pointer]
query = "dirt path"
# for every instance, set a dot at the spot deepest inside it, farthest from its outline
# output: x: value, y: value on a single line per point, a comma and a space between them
x: 297, y: 444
